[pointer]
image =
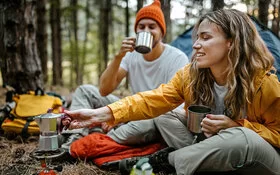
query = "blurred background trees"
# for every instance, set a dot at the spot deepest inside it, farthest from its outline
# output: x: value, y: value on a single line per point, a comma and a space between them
x: 70, y: 42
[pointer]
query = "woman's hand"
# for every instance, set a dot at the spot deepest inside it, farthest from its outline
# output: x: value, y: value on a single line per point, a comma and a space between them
x: 212, y: 124
x: 82, y: 118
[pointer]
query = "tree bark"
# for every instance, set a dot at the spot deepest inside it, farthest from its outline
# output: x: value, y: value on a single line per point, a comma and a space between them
x: 276, y: 17
x: 42, y: 37
x: 140, y: 4
x: 166, y: 8
x: 217, y: 4
x: 23, y: 66
x: 72, y: 72
x: 3, y: 67
x: 56, y: 42
x: 127, y: 33
x: 77, y: 62
x: 105, y: 10
x: 85, y: 41
x: 263, y: 11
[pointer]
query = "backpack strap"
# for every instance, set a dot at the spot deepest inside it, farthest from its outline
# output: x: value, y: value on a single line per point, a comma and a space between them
x: 39, y: 91
x: 6, y: 112
x: 9, y: 96
x: 24, y: 131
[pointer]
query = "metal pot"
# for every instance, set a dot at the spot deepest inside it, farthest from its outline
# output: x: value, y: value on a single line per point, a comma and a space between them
x: 195, y: 115
x: 144, y: 42
x: 50, y: 126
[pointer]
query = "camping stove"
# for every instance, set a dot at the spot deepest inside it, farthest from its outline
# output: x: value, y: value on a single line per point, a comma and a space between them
x: 48, y: 156
x: 50, y: 127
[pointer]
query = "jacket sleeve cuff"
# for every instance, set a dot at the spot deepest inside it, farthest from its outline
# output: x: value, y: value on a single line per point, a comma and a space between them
x: 118, y: 112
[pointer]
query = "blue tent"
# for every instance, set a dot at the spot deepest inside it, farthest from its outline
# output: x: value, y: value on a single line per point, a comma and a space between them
x: 184, y: 42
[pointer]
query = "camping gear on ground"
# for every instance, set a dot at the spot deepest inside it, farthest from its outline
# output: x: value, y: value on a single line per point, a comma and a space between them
x: 20, y: 120
x: 142, y: 167
x: 196, y: 113
x: 106, y: 153
x: 47, y: 170
x: 6, y: 110
x: 48, y: 156
x: 50, y: 126
x: 144, y: 42
x: 184, y: 42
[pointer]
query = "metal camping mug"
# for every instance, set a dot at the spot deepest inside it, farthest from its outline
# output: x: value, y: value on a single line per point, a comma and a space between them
x: 195, y: 115
x: 144, y: 42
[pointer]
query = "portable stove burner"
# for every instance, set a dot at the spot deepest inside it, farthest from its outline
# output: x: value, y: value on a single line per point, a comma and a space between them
x: 45, y: 156
x: 50, y: 127
x: 53, y: 154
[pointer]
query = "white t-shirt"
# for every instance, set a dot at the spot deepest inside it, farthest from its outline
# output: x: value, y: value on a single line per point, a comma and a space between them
x: 147, y: 75
x: 220, y: 93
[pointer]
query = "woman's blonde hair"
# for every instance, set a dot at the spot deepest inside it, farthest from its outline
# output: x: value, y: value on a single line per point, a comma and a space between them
x: 247, y: 57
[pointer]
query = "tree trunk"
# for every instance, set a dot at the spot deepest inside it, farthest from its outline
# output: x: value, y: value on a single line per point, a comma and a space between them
x: 105, y: 10
x: 72, y: 72
x: 3, y: 67
x: 127, y: 32
x: 140, y: 4
x: 42, y: 37
x: 56, y: 42
x: 217, y: 4
x: 77, y: 63
x: 127, y: 24
x: 276, y: 17
x: 263, y: 11
x: 278, y: 20
x: 166, y: 8
x: 85, y: 42
x: 21, y: 58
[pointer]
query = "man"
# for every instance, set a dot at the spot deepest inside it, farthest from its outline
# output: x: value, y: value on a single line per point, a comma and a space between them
x: 145, y: 72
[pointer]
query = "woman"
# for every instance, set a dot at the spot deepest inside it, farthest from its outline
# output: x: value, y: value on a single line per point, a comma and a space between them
x: 230, y: 72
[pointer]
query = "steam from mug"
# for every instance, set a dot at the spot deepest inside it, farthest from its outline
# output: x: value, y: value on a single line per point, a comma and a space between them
x: 195, y: 115
x: 144, y: 42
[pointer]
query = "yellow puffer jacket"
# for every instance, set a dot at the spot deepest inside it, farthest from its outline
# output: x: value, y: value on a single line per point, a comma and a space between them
x: 263, y: 114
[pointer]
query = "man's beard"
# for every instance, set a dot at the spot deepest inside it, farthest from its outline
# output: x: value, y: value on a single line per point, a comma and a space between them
x: 155, y: 43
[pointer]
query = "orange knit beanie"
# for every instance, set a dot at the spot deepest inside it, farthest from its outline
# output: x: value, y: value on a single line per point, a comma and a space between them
x: 154, y: 12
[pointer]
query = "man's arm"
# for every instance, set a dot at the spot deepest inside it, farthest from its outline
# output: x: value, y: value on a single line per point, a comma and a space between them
x: 111, y: 77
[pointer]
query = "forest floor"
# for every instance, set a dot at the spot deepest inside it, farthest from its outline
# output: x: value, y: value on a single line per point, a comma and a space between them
x: 15, y: 159
x: 15, y: 152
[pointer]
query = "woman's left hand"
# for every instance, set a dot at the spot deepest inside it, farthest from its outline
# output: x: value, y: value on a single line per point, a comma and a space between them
x: 212, y: 124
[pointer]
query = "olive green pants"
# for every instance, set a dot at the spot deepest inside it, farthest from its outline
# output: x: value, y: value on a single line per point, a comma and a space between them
x: 235, y: 149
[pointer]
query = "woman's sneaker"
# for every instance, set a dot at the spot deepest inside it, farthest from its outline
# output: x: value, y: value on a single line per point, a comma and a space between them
x: 158, y: 160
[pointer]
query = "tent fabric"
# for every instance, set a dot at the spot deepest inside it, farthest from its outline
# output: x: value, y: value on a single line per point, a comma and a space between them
x: 184, y: 42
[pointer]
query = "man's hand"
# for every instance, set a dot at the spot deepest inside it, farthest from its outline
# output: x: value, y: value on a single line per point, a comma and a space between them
x: 128, y: 45
x: 212, y: 124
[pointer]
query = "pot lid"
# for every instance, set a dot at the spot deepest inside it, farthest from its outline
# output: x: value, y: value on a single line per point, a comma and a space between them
x: 49, y: 114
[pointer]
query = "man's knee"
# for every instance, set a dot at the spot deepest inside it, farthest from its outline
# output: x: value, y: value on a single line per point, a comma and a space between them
x: 166, y: 120
x: 142, y: 126
x: 135, y: 132
x: 87, y: 88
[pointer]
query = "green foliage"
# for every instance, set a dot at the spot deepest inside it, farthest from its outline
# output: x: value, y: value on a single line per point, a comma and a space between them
x: 116, y: 34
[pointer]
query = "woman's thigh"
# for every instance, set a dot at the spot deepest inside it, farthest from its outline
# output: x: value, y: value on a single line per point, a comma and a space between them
x: 232, y: 149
